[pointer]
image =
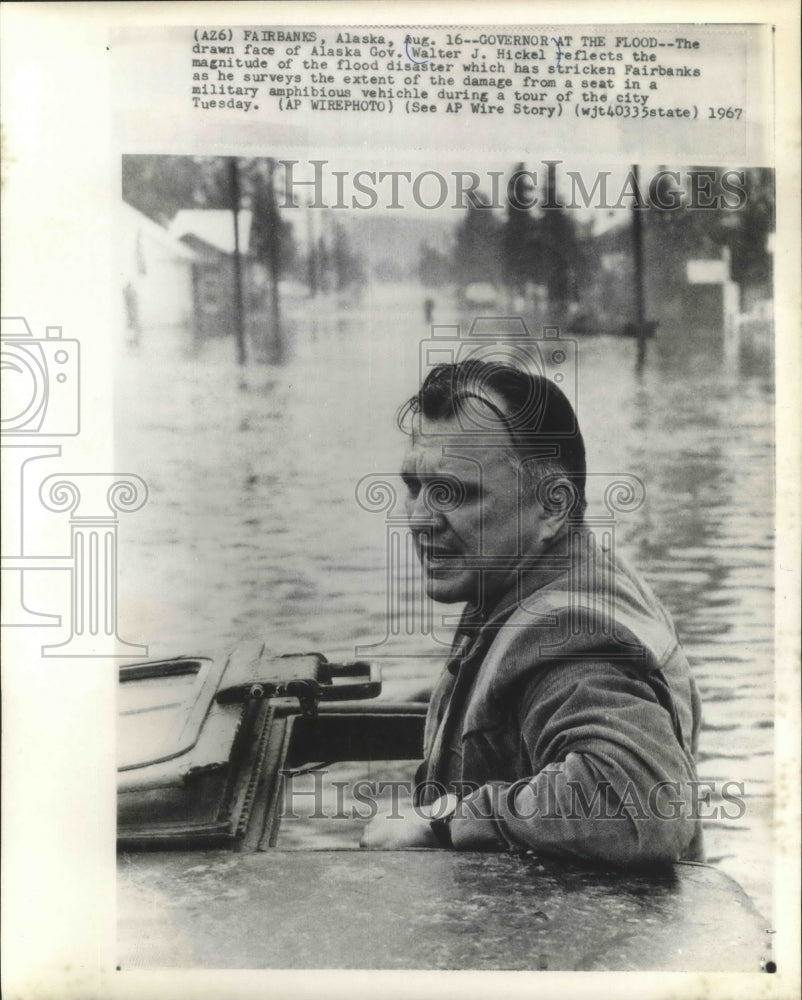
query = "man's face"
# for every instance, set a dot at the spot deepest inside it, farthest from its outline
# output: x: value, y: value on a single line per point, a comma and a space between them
x: 490, y: 522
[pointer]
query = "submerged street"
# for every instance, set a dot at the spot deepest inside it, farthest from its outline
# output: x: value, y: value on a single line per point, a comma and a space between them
x: 253, y: 527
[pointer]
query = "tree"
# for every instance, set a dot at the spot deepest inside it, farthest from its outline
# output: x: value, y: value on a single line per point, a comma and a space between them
x: 271, y: 240
x: 348, y: 267
x: 159, y: 186
x: 434, y: 266
x: 556, y: 250
x: 674, y: 237
x: 518, y: 236
x: 478, y: 245
x: 746, y: 232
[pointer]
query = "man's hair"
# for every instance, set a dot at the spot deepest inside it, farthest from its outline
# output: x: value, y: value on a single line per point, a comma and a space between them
x: 539, y: 421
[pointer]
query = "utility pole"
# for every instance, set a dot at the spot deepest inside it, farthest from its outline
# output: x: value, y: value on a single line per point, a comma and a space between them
x: 640, y: 294
x: 239, y: 319
x: 311, y: 249
x: 274, y: 260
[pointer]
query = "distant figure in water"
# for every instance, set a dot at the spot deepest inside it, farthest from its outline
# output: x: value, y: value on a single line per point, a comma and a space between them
x: 428, y: 309
x: 132, y: 321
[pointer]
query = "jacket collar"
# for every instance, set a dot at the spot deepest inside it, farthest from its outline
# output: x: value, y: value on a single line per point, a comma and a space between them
x: 478, y: 626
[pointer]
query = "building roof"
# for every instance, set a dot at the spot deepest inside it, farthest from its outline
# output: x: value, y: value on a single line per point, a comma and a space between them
x: 212, y: 226
x: 135, y: 221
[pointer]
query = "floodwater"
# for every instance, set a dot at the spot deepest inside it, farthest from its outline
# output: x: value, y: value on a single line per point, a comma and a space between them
x: 253, y: 527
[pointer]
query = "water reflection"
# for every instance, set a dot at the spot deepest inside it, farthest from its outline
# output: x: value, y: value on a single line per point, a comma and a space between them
x: 252, y: 527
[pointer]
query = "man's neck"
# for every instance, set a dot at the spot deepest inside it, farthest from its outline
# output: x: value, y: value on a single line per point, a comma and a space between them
x: 502, y: 591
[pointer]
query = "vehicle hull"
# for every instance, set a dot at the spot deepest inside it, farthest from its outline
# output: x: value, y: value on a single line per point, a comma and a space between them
x: 428, y: 909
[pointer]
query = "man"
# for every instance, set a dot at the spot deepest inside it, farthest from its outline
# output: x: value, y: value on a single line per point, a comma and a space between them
x: 566, y: 719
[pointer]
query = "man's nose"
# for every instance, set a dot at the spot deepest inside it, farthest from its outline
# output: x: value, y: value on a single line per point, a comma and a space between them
x: 417, y: 510
x: 421, y: 511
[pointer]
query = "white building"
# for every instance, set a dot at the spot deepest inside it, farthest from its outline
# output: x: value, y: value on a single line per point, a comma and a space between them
x: 156, y: 280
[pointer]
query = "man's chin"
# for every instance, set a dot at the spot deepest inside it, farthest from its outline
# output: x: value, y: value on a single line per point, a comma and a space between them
x: 451, y: 589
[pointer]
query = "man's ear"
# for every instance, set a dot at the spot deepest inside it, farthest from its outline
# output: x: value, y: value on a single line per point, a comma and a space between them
x: 557, y: 498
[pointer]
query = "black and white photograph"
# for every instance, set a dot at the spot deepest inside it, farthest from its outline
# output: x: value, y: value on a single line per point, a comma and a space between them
x: 401, y: 475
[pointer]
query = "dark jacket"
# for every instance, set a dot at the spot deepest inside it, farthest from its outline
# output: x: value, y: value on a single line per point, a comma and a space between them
x: 570, y: 718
